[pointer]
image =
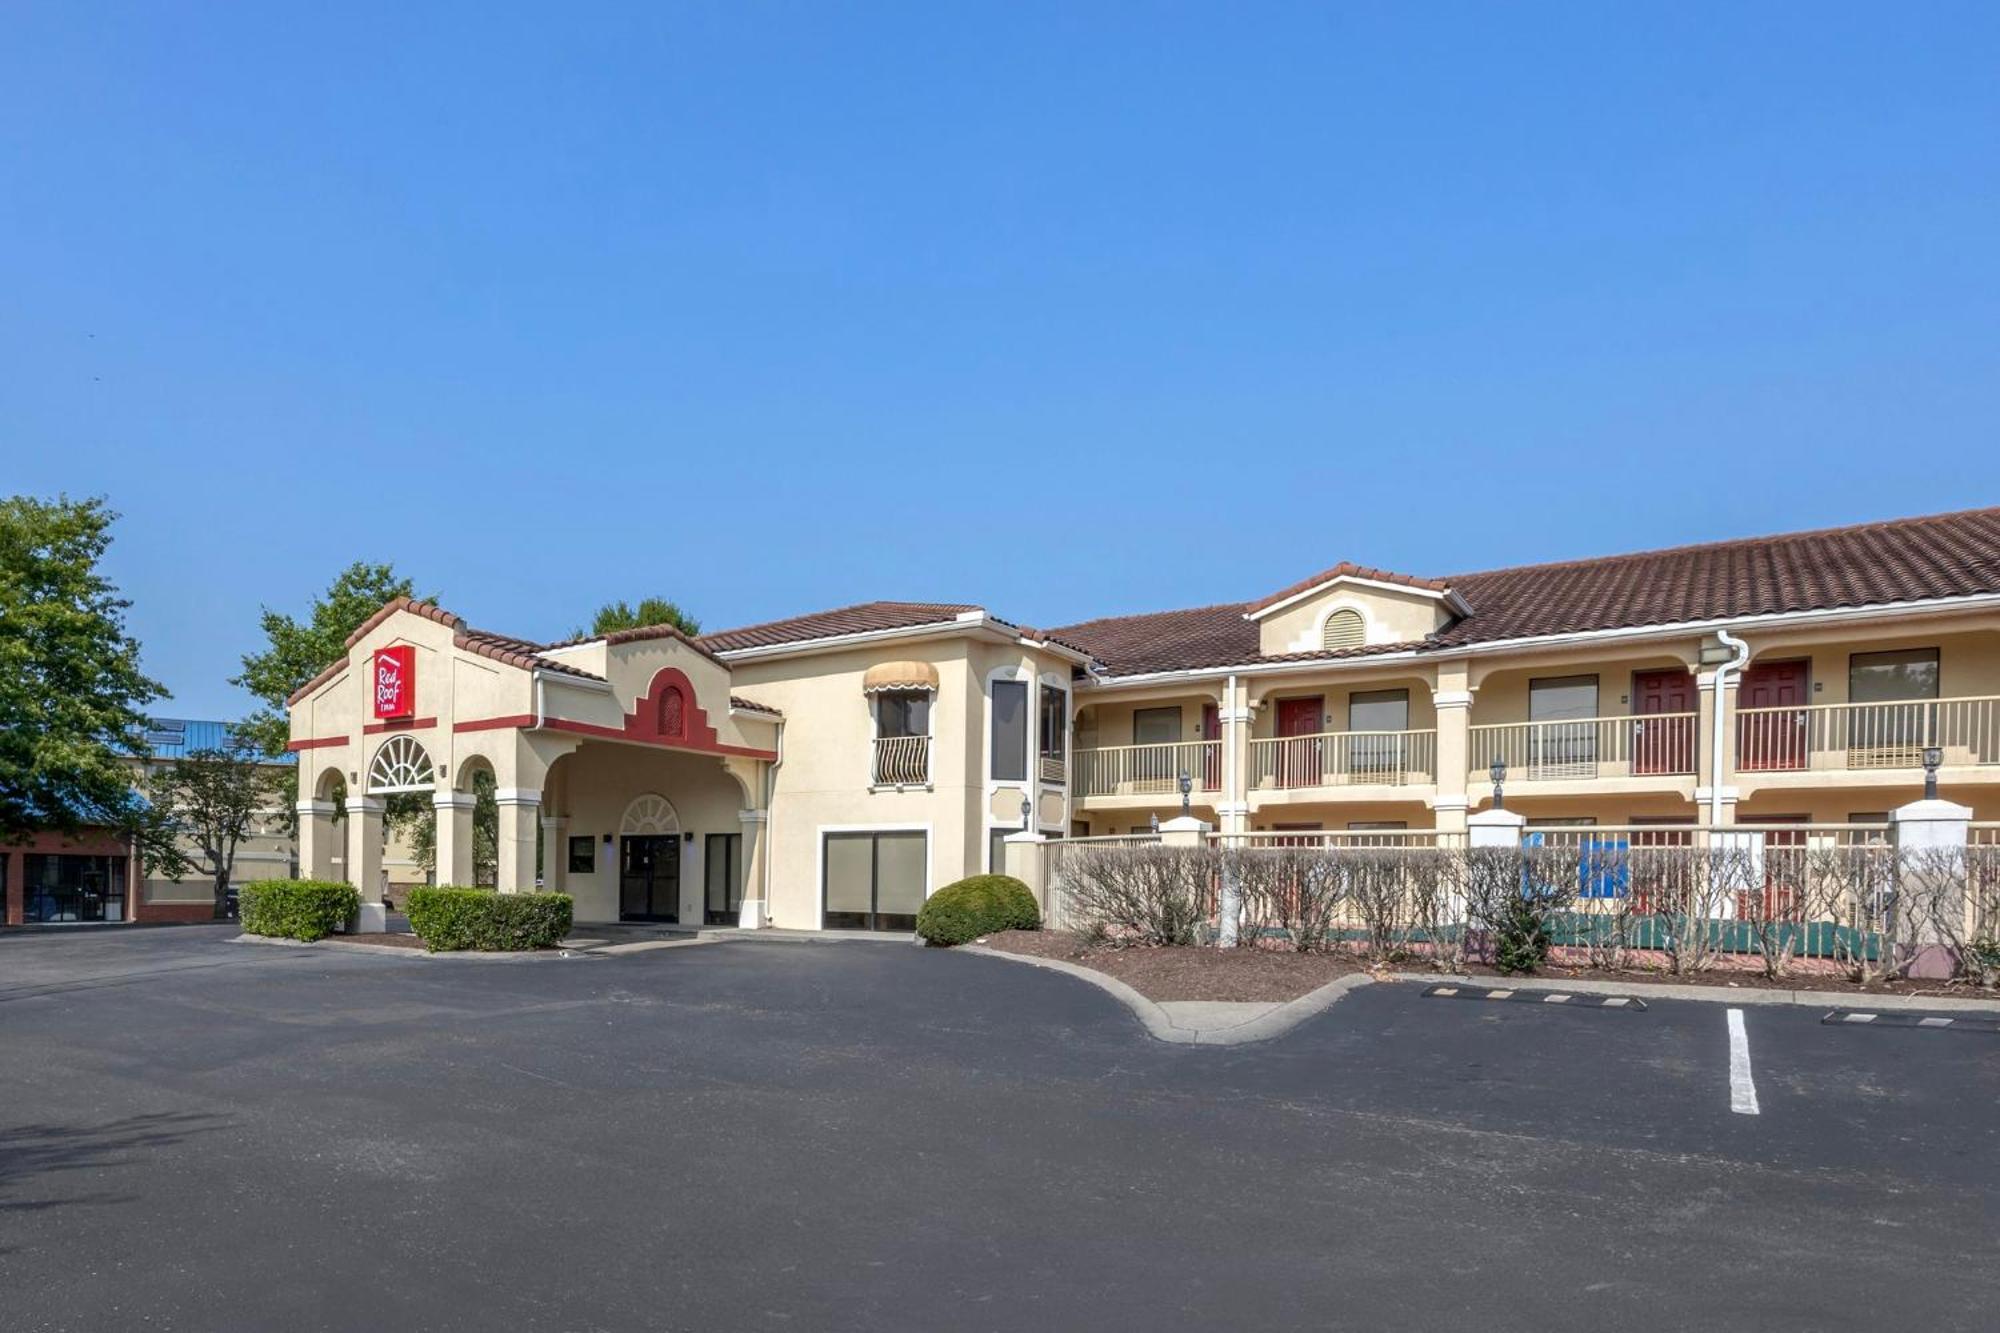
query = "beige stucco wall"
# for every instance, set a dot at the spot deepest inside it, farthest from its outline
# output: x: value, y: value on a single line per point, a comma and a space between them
x: 600, y: 781
x: 1389, y: 617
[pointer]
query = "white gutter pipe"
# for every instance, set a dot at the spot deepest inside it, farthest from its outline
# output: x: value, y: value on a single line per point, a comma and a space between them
x: 1736, y: 663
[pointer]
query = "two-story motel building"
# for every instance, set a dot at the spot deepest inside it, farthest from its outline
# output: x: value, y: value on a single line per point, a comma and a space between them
x: 830, y: 770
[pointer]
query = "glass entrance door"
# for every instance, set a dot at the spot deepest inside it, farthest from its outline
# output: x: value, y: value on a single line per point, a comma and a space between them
x: 649, y: 877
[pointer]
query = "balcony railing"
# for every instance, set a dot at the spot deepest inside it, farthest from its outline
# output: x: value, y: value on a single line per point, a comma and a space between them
x: 1146, y: 770
x: 902, y: 761
x: 1873, y: 735
x: 1652, y: 745
x: 1344, y: 759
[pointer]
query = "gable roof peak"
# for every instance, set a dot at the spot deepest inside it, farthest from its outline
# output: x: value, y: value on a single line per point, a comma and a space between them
x: 1347, y: 569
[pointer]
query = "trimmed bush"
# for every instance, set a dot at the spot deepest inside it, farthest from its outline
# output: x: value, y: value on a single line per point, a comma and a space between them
x: 977, y: 906
x: 447, y: 919
x: 297, y: 909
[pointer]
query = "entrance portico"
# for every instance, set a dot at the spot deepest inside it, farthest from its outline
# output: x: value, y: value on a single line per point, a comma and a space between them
x: 623, y: 772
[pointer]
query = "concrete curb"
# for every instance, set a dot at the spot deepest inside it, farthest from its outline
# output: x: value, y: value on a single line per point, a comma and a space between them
x: 1740, y: 996
x: 392, y: 951
x: 1160, y: 1021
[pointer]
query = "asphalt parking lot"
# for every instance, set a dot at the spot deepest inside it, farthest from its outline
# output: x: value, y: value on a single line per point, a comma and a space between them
x: 203, y: 1135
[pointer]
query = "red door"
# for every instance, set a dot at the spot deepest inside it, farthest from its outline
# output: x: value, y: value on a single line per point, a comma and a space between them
x: 1663, y: 744
x: 1771, y: 740
x: 1299, y: 759
x: 1211, y: 755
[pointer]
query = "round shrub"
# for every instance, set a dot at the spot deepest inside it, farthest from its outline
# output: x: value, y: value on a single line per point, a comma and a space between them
x: 447, y: 919
x: 297, y: 909
x: 977, y: 906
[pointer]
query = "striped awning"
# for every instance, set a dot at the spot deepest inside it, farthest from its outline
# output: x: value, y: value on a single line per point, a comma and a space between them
x: 900, y: 676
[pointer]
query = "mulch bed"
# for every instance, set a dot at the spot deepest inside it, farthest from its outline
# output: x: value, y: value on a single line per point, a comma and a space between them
x: 1189, y: 974
x: 1273, y: 975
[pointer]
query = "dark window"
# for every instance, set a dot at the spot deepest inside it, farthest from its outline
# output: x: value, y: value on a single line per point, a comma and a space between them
x: 1156, y: 726
x: 1570, y: 704
x: 1910, y: 673
x: 73, y: 888
x: 722, y: 877
x: 1055, y: 705
x: 903, y: 713
x: 1010, y: 730
x: 582, y: 856
x: 996, y: 849
x: 874, y: 881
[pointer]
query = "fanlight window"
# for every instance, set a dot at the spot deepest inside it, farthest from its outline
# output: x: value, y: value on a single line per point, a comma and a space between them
x: 401, y: 765
x: 1344, y: 629
x: 650, y: 813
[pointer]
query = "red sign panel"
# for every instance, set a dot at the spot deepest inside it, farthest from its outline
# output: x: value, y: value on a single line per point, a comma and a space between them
x: 396, y: 681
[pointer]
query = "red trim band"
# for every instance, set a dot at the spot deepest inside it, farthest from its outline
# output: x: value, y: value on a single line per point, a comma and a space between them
x: 319, y: 744
x: 399, y: 724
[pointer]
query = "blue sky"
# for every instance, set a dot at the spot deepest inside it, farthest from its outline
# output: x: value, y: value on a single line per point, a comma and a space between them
x: 1065, y: 309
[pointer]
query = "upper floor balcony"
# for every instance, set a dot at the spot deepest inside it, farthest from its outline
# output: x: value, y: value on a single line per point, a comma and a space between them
x: 1343, y: 759
x: 1854, y: 737
x: 1653, y: 745
x: 1151, y: 770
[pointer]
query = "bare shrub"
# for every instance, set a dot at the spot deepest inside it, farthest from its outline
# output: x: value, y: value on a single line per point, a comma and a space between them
x: 1295, y: 893
x: 1378, y: 893
x: 1950, y: 898
x: 1606, y: 908
x: 1852, y: 891
x: 1438, y: 904
x: 1142, y: 895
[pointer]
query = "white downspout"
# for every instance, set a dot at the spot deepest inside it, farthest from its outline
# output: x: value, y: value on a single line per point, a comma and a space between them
x: 1741, y: 658
x: 770, y: 829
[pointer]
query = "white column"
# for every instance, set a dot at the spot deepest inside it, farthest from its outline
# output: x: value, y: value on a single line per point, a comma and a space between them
x: 364, y: 859
x: 756, y: 908
x: 1453, y: 754
x: 453, y: 848
x: 315, y: 839
x: 555, y: 853
x: 519, y: 807
x: 1232, y: 807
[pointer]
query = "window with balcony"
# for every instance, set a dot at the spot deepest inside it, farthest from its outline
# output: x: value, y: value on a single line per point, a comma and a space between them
x: 1563, y: 737
x: 1380, y: 718
x: 902, y: 738
x: 1054, y: 745
x: 1894, y: 709
x: 1010, y: 731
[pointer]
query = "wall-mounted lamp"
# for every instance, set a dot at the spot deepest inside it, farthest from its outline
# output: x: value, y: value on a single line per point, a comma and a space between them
x: 1027, y: 811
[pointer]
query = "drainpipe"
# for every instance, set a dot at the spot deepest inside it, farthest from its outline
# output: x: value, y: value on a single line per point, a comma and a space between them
x: 770, y: 828
x: 1722, y: 675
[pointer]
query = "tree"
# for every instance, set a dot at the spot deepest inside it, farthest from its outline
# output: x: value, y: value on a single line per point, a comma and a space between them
x: 614, y: 616
x: 71, y: 691
x: 197, y: 810
x: 299, y: 651
x: 422, y: 832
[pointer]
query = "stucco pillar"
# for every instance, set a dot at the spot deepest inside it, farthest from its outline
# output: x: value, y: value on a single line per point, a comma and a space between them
x: 1232, y: 804
x: 453, y: 860
x: 519, y: 811
x: 1931, y: 837
x: 1495, y: 828
x: 1452, y: 698
x: 364, y: 859
x: 316, y: 839
x: 755, y: 911
x: 1714, y: 769
x: 555, y: 853
x: 1025, y: 859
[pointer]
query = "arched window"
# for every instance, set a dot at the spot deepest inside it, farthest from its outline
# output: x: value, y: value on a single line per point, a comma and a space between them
x: 400, y: 765
x: 1344, y: 629
x: 673, y: 712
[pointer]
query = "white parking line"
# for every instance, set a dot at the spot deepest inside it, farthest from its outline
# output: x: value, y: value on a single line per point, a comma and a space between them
x: 1742, y: 1089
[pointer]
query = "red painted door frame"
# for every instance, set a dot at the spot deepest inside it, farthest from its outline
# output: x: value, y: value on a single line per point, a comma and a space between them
x: 1773, y: 741
x: 1211, y: 756
x: 1663, y: 744
x: 1299, y: 760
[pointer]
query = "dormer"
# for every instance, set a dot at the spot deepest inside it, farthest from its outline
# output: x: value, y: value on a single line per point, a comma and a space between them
x: 1350, y: 606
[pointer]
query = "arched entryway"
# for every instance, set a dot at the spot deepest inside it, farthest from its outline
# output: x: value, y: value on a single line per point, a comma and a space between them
x: 649, y: 861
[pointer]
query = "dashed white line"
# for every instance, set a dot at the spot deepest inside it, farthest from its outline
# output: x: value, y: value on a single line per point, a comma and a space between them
x: 1742, y: 1088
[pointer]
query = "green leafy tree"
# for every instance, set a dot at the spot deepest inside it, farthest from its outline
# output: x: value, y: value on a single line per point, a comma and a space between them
x: 422, y: 832
x: 198, y: 810
x: 71, y: 691
x: 614, y: 616
x: 298, y: 650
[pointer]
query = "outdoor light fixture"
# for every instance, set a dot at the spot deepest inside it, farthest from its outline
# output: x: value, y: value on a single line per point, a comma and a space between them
x: 1933, y: 756
x: 1027, y: 809
x: 1499, y: 773
x: 1714, y: 652
x: 1187, y: 786
x: 1154, y: 820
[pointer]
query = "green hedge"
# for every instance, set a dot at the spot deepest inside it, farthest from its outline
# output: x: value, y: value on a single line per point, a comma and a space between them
x: 448, y: 919
x: 977, y: 906
x: 297, y: 909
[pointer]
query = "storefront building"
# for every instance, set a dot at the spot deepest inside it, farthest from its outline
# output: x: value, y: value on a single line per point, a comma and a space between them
x: 831, y: 770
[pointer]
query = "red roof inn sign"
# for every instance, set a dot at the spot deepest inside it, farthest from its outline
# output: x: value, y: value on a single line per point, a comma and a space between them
x: 396, y: 681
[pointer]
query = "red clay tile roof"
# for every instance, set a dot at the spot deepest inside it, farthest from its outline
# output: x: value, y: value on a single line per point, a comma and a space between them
x: 523, y: 653
x: 738, y: 701
x: 857, y: 619
x: 1901, y: 560
x: 1345, y: 569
